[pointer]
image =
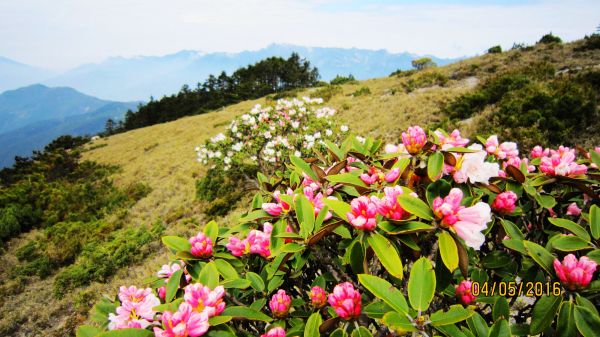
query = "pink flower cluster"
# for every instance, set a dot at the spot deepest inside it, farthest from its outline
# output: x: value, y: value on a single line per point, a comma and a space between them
x: 502, y: 151
x: 136, y: 309
x: 363, y: 213
x: 388, y: 206
x: 318, y: 297
x: 464, y: 294
x: 257, y: 242
x: 166, y: 271
x: 467, y: 222
x: 575, y: 274
x: 191, y: 318
x: 278, y: 207
x: 317, y: 201
x: 280, y: 304
x: 202, y: 245
x: 275, y: 332
x: 375, y: 176
x: 414, y: 139
x: 505, y: 202
x: 573, y: 209
x: 516, y: 162
x: 452, y: 140
x: 345, y: 300
x: 559, y: 162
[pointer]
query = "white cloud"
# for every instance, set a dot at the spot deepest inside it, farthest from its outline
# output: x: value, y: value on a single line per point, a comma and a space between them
x: 65, y: 33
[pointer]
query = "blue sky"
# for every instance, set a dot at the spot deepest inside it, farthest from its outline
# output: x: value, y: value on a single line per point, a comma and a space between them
x: 60, y: 34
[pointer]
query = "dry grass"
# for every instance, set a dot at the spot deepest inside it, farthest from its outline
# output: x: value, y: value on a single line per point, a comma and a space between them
x: 163, y: 157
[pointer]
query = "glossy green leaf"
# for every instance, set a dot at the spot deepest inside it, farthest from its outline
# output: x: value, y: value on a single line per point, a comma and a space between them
x: 360, y: 332
x: 256, y: 281
x: 571, y: 227
x: 567, y: 243
x: 435, y: 164
x: 346, y: 178
x: 304, y: 167
x: 398, y: 323
x: 377, y: 309
x: 218, y: 320
x: 226, y: 269
x: 312, y: 325
x: 305, y: 213
x: 173, y: 285
x: 586, y: 321
x: 385, y: 291
x: 387, y: 254
x: 478, y: 325
x: 127, y: 333
x: 500, y: 329
x: 421, y: 284
x: 404, y: 227
x: 247, y: 313
x: 565, y: 326
x: 87, y: 331
x: 176, y: 243
x: 448, y: 250
x: 540, y: 255
x: 212, y: 231
x: 546, y: 201
x: 543, y: 313
x: 415, y: 206
x: 456, y: 313
x: 340, y: 208
x: 595, y: 221
x: 500, y: 309
x: 209, y: 275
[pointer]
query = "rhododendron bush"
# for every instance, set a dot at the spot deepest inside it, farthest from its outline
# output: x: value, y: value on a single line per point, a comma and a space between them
x: 435, y: 235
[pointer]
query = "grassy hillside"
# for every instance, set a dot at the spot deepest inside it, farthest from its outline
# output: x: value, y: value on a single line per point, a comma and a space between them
x: 163, y: 157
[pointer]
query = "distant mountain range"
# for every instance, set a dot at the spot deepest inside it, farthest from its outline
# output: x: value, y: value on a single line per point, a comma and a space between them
x: 33, y: 116
x: 138, y: 78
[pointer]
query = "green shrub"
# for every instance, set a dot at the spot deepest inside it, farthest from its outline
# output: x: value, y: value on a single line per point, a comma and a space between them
x: 361, y: 91
x: 425, y: 80
x: 403, y: 73
x: 591, y: 42
x: 550, y: 39
x: 338, y: 80
x: 423, y: 63
x: 495, y: 50
x: 328, y: 91
x: 220, y: 190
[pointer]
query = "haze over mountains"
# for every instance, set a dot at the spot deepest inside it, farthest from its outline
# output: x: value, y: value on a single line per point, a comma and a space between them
x: 138, y: 78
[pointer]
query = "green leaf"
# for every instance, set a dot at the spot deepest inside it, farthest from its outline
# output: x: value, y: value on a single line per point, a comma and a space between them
x: 567, y: 243
x: 172, y: 306
x: 540, y: 255
x: 478, y: 325
x: 218, y: 320
x: 312, y: 325
x: 87, y: 331
x: 398, y: 323
x: 451, y: 330
x: 587, y: 322
x: 304, y: 167
x: 385, y: 291
x: 594, y: 255
x: 340, y: 208
x: 360, y: 332
x: 584, y: 302
x: 236, y: 284
x: 173, y: 285
x: 247, y: 313
x: 387, y: 254
x: 421, y: 285
x: 543, y: 313
x: 512, y: 230
x: 212, y: 231
x: 305, y: 213
x: 404, y: 227
x: 209, y: 275
x: 435, y: 164
x: 461, y: 150
x: 500, y: 309
x: 455, y: 314
x: 292, y: 248
x: 226, y: 270
x: 335, y: 149
x: 595, y: 220
x: 448, y: 251
x: 595, y: 157
x: 176, y: 243
x: 546, y: 201
x: 101, y: 310
x: 500, y: 329
x: 571, y: 227
x: 254, y: 215
x: 356, y: 256
x: 415, y: 206
x: 257, y: 201
x: 127, y: 333
x: 346, y: 178
x: 256, y: 281
x: 339, y: 332
x: 439, y: 188
x: 377, y: 309
x: 515, y: 244
x: 566, y: 321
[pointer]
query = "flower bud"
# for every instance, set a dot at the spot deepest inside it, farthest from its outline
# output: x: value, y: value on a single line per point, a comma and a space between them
x: 202, y: 245
x: 345, y: 300
x: 318, y: 297
x: 280, y: 304
x: 575, y: 274
x: 505, y: 202
x: 414, y: 139
x: 463, y: 292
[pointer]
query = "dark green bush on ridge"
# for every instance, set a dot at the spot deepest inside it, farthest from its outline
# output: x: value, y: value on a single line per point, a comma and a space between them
x: 495, y: 50
x: 219, y: 191
x: 342, y: 79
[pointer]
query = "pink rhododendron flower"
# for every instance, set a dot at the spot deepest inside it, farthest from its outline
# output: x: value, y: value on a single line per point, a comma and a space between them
x: 414, y: 139
x: 516, y: 162
x: 452, y: 140
x: 505, y: 202
x: 393, y: 148
x: 561, y: 162
x: 202, y: 245
x: 538, y: 152
x: 280, y: 304
x: 575, y: 274
x: 467, y: 222
x: 318, y: 297
x: 185, y: 322
x: 162, y: 292
x: 573, y: 209
x: 345, y: 300
x: 275, y: 332
x: 317, y: 201
x: 167, y: 270
x: 392, y: 175
x: 388, y: 206
x: 135, y: 310
x: 238, y: 247
x: 463, y: 292
x: 363, y: 213
x: 372, y: 177
x: 275, y: 209
x: 502, y: 151
x: 202, y: 299
x: 257, y: 242
x: 472, y: 167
